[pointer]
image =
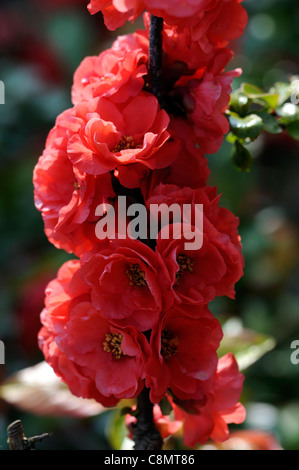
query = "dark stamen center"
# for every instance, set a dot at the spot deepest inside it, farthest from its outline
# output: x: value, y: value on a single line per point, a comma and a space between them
x: 136, y: 275
x: 112, y: 344
x: 185, y: 264
x: 169, y: 344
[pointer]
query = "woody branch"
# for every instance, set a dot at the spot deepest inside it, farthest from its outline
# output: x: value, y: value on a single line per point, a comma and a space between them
x: 146, y: 435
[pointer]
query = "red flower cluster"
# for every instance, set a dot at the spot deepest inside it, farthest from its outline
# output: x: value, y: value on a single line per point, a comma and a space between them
x: 212, y: 22
x: 131, y: 313
x: 208, y: 416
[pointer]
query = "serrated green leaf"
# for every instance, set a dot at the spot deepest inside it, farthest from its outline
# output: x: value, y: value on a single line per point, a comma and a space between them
x: 248, y: 346
x: 248, y: 127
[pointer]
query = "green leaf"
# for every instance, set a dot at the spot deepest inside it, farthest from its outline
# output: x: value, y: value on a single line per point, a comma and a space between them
x: 248, y: 346
x: 251, y: 90
x: 293, y: 129
x: 239, y: 102
x: 270, y: 99
x: 248, y: 127
x: 283, y: 90
x: 116, y: 430
x: 255, y: 93
x: 165, y: 406
x: 241, y: 158
x: 270, y: 122
x: 231, y: 138
x: 288, y: 113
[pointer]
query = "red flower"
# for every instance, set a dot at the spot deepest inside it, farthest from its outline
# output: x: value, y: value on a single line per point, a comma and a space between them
x: 103, y: 137
x: 199, y: 15
x: 208, y: 417
x: 199, y: 275
x: 66, y: 197
x: 137, y: 41
x: 117, y: 72
x: 95, y: 357
x: 124, y: 283
x: 195, y: 86
x: 127, y: 315
x: 189, y: 169
x: 205, y: 97
x: 183, y: 352
x: 180, y: 47
x: 165, y: 425
x: 113, y: 17
x: 176, y: 11
x: 80, y: 381
x: 219, y: 25
x: 212, y: 95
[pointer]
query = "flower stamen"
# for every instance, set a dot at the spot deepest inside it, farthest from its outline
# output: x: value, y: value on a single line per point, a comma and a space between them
x: 77, y: 186
x: 169, y: 344
x: 125, y: 143
x: 136, y: 275
x: 112, y: 344
x: 185, y: 264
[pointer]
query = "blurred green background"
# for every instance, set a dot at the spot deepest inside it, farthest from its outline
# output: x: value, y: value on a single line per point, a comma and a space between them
x: 41, y: 44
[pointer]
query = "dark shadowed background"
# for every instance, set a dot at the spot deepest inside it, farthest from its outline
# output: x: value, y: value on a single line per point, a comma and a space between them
x: 41, y: 44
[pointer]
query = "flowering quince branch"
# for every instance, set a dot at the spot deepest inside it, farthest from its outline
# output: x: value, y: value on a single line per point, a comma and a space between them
x: 155, y: 56
x: 129, y: 318
x: 145, y: 432
x: 146, y: 435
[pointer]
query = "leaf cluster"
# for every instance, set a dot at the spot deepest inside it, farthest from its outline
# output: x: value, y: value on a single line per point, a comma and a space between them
x: 252, y: 111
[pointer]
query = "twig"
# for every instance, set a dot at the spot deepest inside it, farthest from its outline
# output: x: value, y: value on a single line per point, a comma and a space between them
x: 18, y: 441
x: 155, y: 57
x: 146, y: 435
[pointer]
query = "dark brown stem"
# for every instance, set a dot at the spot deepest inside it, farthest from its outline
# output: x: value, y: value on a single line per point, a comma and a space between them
x: 18, y: 441
x: 155, y: 57
x: 146, y: 435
